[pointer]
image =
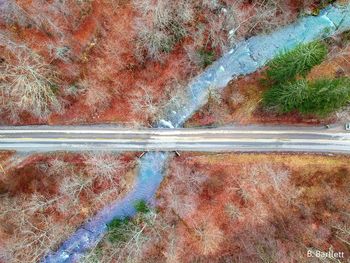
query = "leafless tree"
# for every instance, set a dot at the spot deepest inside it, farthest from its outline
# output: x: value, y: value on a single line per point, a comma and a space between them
x: 28, y: 84
x: 11, y: 13
x: 343, y: 232
x: 104, y: 165
x: 145, y: 103
x: 56, y: 167
x: 267, y: 16
x: 232, y: 211
x: 173, y: 250
x: 37, y: 222
x: 159, y: 26
x: 140, y: 233
x: 210, y: 236
x: 54, y: 17
x: 74, y: 185
x: 220, y: 27
x: 344, y: 114
x: 180, y: 195
x: 30, y: 239
x: 97, y: 97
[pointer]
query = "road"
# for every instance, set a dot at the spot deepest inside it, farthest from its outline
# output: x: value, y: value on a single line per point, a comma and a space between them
x: 112, y: 138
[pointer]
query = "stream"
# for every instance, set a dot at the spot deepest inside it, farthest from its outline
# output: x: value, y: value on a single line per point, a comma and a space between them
x: 245, y: 58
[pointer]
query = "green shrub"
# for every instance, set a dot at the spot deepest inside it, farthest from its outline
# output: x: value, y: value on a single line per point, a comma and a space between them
x: 141, y: 207
x: 297, y: 62
x: 117, y: 230
x: 207, y: 57
x: 345, y: 36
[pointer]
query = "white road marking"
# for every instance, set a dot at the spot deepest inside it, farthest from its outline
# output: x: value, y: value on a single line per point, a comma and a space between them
x: 180, y: 139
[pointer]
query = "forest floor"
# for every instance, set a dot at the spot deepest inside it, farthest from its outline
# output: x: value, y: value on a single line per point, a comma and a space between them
x: 251, y: 207
x: 240, y: 101
x: 45, y: 197
x: 240, y: 208
x: 105, y: 76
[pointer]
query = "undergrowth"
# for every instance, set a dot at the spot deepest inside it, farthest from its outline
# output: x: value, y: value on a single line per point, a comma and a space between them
x: 207, y: 57
x: 121, y: 230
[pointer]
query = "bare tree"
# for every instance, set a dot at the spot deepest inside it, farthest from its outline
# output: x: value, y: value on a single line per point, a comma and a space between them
x: 209, y: 235
x: 173, y: 250
x: 135, y: 237
x: 160, y: 26
x: 343, y: 232
x: 37, y: 222
x: 181, y: 193
x: 11, y: 13
x: 277, y: 176
x: 237, y: 98
x: 28, y: 85
x: 97, y: 97
x: 145, y: 103
x: 232, y: 211
x: 30, y: 239
x: 162, y: 23
x: 73, y: 186
x: 54, y: 17
x: 104, y: 165
x: 344, y: 114
x: 221, y: 25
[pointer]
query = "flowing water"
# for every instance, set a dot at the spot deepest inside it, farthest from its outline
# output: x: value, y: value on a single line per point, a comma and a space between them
x: 245, y: 58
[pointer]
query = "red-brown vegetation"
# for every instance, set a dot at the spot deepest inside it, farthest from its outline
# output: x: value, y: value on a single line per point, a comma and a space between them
x: 47, y: 196
x: 266, y: 207
x: 240, y: 101
x: 110, y: 56
x: 244, y: 208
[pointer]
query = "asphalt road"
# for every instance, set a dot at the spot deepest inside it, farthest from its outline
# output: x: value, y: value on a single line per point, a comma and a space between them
x: 112, y: 138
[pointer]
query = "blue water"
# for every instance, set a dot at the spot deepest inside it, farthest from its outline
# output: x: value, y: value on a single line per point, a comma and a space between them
x: 87, y: 236
x: 252, y: 54
x: 245, y: 58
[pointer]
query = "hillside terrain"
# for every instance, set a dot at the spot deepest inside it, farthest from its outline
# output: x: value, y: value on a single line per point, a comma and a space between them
x: 123, y: 62
x: 119, y: 61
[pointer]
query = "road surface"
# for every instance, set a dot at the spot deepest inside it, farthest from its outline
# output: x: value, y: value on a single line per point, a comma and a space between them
x: 111, y: 138
x: 245, y: 58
